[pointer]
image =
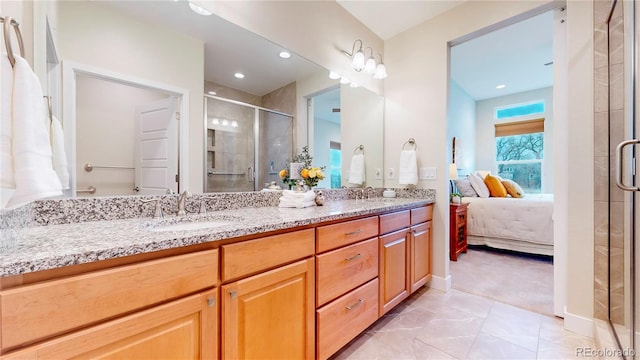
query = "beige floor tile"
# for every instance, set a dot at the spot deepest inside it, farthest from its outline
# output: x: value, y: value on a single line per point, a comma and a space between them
x: 518, y: 326
x: 493, y: 348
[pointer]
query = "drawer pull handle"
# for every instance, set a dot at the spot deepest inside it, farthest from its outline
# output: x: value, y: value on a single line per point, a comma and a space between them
x: 353, y: 257
x: 233, y: 294
x: 351, y: 307
x: 353, y: 232
x: 211, y: 302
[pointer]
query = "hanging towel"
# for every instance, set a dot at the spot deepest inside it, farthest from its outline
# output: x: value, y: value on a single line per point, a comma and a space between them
x: 408, y: 172
x: 7, y: 179
x: 34, y: 174
x: 59, y: 155
x: 356, y: 172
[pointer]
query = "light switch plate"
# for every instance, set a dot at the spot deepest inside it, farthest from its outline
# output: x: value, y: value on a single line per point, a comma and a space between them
x: 427, y: 173
x: 378, y: 174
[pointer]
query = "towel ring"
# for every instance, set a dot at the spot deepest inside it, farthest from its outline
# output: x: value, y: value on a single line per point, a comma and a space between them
x: 360, y: 147
x: 410, y: 142
x: 50, y: 109
x: 8, y: 23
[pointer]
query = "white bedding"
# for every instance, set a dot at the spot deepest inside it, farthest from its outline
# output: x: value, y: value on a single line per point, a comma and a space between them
x: 528, y: 219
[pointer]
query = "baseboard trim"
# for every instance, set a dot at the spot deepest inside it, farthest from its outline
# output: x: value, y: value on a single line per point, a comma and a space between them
x: 439, y: 283
x: 578, y: 324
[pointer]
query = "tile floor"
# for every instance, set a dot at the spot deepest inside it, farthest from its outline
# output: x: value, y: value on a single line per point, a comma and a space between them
x: 457, y: 325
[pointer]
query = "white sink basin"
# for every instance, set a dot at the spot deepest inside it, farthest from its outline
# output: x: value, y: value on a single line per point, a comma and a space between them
x: 191, y: 226
x: 191, y: 222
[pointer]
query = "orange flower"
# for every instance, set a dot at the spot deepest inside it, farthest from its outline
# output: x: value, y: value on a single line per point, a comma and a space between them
x: 304, y: 173
x: 283, y: 173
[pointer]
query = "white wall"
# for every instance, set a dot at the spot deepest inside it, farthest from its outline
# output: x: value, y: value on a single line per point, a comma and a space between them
x: 461, y: 124
x: 100, y: 37
x: 485, y: 130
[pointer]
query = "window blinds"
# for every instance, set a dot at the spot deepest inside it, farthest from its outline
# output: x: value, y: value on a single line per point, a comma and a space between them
x: 520, y: 127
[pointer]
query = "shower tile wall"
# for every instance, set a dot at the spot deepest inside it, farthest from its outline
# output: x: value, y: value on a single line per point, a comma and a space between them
x: 609, y: 131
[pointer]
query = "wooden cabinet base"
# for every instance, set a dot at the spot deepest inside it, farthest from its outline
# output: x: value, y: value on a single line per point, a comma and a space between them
x: 182, y: 329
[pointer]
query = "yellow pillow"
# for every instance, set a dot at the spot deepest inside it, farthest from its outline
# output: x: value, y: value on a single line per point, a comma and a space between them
x: 513, y: 188
x: 496, y: 189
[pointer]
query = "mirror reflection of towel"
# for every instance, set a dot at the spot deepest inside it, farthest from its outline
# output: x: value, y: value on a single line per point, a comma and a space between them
x: 408, y: 171
x: 59, y: 155
x: 356, y: 173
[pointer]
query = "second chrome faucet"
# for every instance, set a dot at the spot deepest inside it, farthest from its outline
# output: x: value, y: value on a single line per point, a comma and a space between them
x: 182, y: 201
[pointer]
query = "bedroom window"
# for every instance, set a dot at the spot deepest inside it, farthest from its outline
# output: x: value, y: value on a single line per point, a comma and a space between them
x: 520, y: 153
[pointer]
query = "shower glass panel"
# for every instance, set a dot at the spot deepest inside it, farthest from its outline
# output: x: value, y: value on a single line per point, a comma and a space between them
x: 246, y: 145
x: 275, y: 145
x: 623, y: 199
x: 230, y: 146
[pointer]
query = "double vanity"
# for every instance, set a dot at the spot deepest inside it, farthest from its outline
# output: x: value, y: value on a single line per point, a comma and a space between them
x: 245, y: 280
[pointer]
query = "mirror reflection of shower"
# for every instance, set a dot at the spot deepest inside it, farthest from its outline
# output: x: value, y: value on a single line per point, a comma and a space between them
x: 246, y: 145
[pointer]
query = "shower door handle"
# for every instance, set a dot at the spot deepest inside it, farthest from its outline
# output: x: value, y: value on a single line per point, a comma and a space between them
x: 619, y: 165
x: 250, y: 174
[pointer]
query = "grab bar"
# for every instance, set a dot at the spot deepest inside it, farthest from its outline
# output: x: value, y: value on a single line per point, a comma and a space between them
x: 89, y: 190
x: 89, y: 167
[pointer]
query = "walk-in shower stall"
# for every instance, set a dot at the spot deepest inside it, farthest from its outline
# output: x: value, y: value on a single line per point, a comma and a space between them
x: 246, y: 145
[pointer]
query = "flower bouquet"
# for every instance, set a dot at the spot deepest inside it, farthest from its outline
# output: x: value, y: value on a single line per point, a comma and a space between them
x: 303, y: 170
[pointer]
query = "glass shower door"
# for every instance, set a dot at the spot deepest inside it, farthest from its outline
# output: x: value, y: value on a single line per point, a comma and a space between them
x: 230, y: 146
x: 275, y: 145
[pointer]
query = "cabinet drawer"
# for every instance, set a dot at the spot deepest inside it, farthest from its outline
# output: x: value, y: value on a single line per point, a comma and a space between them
x: 334, y: 236
x: 248, y: 257
x: 343, y: 319
x: 421, y: 214
x: 341, y: 270
x: 394, y: 221
x: 34, y: 312
x: 461, y: 218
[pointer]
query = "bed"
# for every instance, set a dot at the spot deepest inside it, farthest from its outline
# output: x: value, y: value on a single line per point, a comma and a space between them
x: 519, y: 224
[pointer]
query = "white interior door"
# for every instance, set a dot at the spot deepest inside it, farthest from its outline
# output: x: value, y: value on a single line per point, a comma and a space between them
x: 156, y: 147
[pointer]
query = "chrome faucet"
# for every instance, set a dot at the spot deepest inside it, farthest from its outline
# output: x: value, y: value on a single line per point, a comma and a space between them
x: 182, y: 200
x: 368, y: 190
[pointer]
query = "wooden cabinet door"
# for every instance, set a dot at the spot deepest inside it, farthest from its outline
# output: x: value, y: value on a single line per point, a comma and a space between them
x: 421, y: 253
x: 270, y: 315
x: 394, y: 269
x: 182, y: 329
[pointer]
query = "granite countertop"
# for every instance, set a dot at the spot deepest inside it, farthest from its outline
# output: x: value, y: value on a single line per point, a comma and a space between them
x: 49, y: 247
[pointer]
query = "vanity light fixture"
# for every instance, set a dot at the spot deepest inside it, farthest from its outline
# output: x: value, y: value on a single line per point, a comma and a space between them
x: 334, y: 75
x: 344, y: 80
x: 381, y: 70
x: 284, y: 54
x: 199, y: 10
x: 359, y: 64
x: 239, y: 75
x: 357, y: 57
x: 234, y: 124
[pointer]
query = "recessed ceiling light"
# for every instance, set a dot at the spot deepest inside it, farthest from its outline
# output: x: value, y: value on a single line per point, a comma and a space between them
x: 239, y: 75
x: 501, y: 86
x: 199, y: 10
x: 284, y: 54
x: 334, y: 75
x: 211, y: 92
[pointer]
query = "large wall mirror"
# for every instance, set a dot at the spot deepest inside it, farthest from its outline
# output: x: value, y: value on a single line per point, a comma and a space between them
x: 167, y: 44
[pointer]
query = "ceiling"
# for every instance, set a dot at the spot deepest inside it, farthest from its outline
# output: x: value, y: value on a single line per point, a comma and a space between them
x: 514, y: 55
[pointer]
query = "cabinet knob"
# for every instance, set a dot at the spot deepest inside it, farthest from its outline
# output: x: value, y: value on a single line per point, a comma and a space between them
x: 355, y: 305
x: 233, y: 294
x: 211, y: 302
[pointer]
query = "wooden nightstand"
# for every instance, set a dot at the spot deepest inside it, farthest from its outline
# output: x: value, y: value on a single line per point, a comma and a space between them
x: 457, y: 230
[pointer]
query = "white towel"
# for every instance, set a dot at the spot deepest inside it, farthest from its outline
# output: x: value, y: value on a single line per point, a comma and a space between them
x: 356, y: 172
x: 7, y: 178
x: 34, y: 174
x: 298, y: 196
x: 59, y: 155
x: 408, y: 172
x: 299, y: 205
